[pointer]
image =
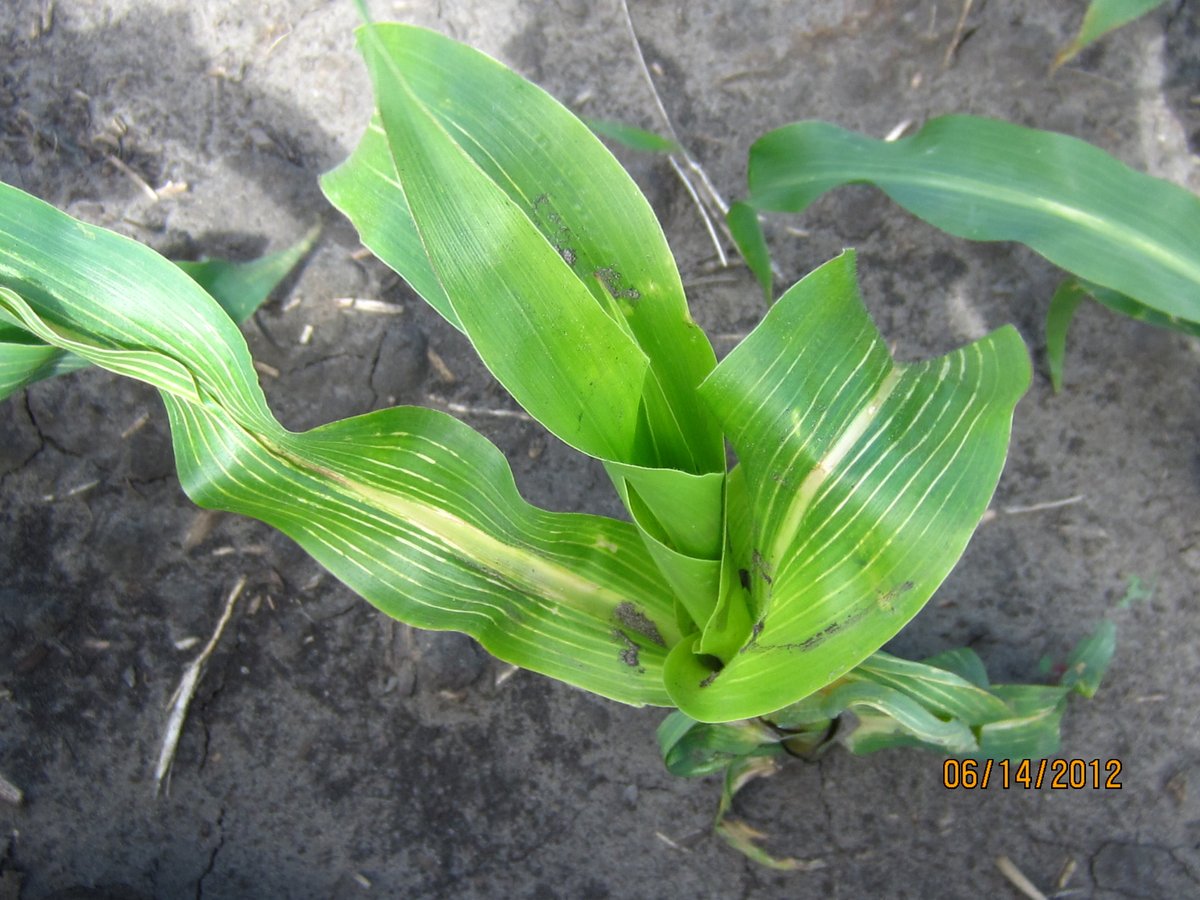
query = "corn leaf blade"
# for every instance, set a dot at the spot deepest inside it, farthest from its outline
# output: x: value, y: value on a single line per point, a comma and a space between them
x: 631, y: 136
x: 747, y: 231
x: 1067, y: 297
x: 409, y: 507
x: 550, y: 260
x: 938, y: 690
x: 1103, y: 16
x: 582, y: 255
x: 239, y: 287
x: 982, y: 179
x: 865, y: 477
x: 242, y: 287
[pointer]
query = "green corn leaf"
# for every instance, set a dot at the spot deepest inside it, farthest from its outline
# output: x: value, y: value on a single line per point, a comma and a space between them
x: 982, y: 179
x: 905, y: 714
x: 409, y: 507
x: 1089, y: 660
x: 899, y: 703
x: 691, y: 749
x: 242, y: 287
x: 24, y: 360
x: 536, y: 326
x: 366, y: 190
x: 747, y: 231
x: 1136, y: 310
x: 937, y: 690
x: 1063, y: 305
x: 1102, y: 17
x: 963, y: 662
x: 631, y: 136
x: 865, y: 477
x: 725, y: 629
x: 1034, y: 728
x: 239, y: 287
x: 550, y: 260
x: 1069, y: 294
x: 544, y: 234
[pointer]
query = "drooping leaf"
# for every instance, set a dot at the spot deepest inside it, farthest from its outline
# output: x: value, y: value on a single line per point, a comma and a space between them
x: 1033, y: 730
x: 963, y: 662
x: 1136, y: 310
x: 903, y: 714
x: 1063, y: 305
x: 936, y: 689
x: 865, y: 479
x: 886, y: 703
x: 239, y: 287
x: 987, y: 180
x: 691, y: 749
x: 737, y: 833
x: 1103, y: 16
x: 631, y: 136
x: 407, y: 506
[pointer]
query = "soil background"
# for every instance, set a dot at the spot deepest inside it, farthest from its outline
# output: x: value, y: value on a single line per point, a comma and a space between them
x: 333, y: 753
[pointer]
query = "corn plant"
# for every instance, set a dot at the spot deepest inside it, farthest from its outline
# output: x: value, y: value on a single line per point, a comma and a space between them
x: 765, y: 588
x: 1128, y: 240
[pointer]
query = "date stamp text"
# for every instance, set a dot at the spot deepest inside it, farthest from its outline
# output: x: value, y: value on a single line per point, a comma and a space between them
x: 1032, y: 774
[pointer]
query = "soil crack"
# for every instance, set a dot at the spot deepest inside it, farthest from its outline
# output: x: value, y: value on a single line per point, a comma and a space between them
x: 46, y: 440
x: 212, y: 856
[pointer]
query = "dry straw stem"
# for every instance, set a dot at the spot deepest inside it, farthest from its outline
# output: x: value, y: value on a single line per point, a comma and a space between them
x: 710, y: 190
x: 369, y: 305
x: 10, y: 793
x: 134, y: 176
x: 959, y: 30
x: 1010, y: 871
x: 1041, y: 507
x: 182, y: 698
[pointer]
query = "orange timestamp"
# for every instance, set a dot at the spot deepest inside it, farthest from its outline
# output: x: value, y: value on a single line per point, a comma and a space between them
x: 1030, y: 774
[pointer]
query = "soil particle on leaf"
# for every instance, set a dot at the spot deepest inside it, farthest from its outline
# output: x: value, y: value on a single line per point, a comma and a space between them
x: 636, y: 620
x: 629, y: 652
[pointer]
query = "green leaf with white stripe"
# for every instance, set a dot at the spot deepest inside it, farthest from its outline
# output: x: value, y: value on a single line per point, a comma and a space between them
x: 409, y: 507
x: 543, y: 235
x: 865, y: 480
x: 936, y: 689
x: 987, y: 180
x: 239, y: 287
x: 549, y: 259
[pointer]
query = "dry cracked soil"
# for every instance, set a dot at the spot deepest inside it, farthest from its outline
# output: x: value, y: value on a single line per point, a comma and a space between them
x: 331, y: 752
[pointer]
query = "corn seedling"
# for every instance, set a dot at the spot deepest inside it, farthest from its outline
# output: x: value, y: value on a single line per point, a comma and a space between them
x: 754, y: 599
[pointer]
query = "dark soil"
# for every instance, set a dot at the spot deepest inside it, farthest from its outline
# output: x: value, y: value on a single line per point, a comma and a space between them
x: 331, y: 752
